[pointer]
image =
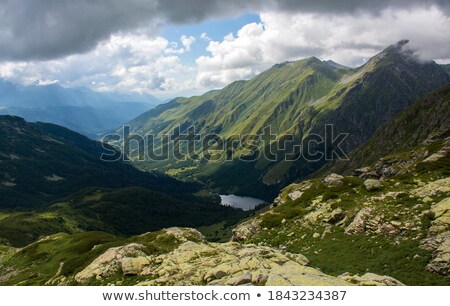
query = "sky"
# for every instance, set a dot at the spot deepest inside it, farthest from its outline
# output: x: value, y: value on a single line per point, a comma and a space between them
x: 171, y: 48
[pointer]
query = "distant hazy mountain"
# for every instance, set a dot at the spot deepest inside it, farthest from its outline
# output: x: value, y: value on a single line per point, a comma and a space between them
x: 297, y: 98
x: 79, y: 109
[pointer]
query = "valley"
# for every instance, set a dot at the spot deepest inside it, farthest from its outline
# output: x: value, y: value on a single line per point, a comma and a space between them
x: 379, y: 217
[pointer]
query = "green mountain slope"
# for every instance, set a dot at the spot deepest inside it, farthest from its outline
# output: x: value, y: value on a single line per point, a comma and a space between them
x: 53, y: 180
x: 297, y: 98
x: 390, y: 217
x: 427, y: 118
x: 42, y: 162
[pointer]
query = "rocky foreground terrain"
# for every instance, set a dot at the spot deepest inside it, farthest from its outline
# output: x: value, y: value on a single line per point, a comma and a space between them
x: 391, y: 217
x: 193, y: 261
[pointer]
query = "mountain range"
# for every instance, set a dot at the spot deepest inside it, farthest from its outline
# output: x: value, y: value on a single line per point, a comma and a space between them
x: 296, y: 98
x: 79, y: 109
x: 379, y: 217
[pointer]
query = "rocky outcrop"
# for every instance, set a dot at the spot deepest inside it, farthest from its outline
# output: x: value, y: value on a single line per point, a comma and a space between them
x: 434, y: 188
x: 365, y: 173
x: 246, y: 230
x: 358, y: 224
x: 438, y: 240
x: 333, y: 179
x: 202, y: 263
x: 372, y: 184
x: 439, y: 245
x: 438, y: 155
x: 371, y: 279
x: 109, y: 263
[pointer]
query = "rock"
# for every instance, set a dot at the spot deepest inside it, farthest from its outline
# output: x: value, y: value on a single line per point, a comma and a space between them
x: 316, y: 235
x: 438, y: 155
x: 427, y: 200
x: 184, y: 234
x: 372, y: 184
x: 295, y: 195
x: 358, y: 224
x: 441, y: 186
x: 365, y: 173
x: 440, y: 262
x: 335, y: 216
x: 243, y: 279
x: 133, y: 266
x: 371, y: 279
x: 396, y: 223
x: 234, y: 264
x: 326, y: 231
x: 203, y: 263
x: 109, y: 263
x: 246, y: 230
x: 441, y: 212
x: 333, y: 179
x: 391, y: 229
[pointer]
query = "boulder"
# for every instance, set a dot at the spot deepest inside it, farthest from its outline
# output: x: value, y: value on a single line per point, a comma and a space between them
x: 372, y: 184
x: 109, y: 263
x: 441, y: 259
x: 441, y: 212
x: 246, y: 230
x: 371, y: 279
x: 358, y: 224
x: 438, y: 155
x: 333, y: 179
x: 365, y: 173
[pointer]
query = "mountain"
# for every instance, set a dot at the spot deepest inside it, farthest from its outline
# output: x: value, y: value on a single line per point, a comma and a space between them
x: 79, y: 109
x: 53, y: 180
x: 294, y: 98
x: 447, y: 68
x: 390, y: 217
x: 430, y: 113
x: 41, y: 162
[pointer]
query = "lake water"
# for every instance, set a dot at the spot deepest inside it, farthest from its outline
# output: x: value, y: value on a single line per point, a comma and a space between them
x: 245, y: 203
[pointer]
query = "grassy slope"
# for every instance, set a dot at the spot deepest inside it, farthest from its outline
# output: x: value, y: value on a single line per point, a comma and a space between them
x: 125, y: 212
x: 42, y: 162
x: 400, y: 142
x: 431, y: 114
x: 380, y: 253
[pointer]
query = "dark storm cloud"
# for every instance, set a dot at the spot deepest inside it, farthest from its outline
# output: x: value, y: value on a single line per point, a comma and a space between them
x: 54, y: 28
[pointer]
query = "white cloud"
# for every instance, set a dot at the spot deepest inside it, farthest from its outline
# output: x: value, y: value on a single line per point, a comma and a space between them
x: 187, y: 41
x: 127, y: 62
x: 137, y: 61
x: 205, y: 36
x: 346, y: 39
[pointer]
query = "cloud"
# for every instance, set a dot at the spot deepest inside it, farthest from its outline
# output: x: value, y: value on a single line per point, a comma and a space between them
x: 347, y: 39
x: 49, y: 29
x: 205, y: 37
x: 121, y: 63
x: 187, y: 41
